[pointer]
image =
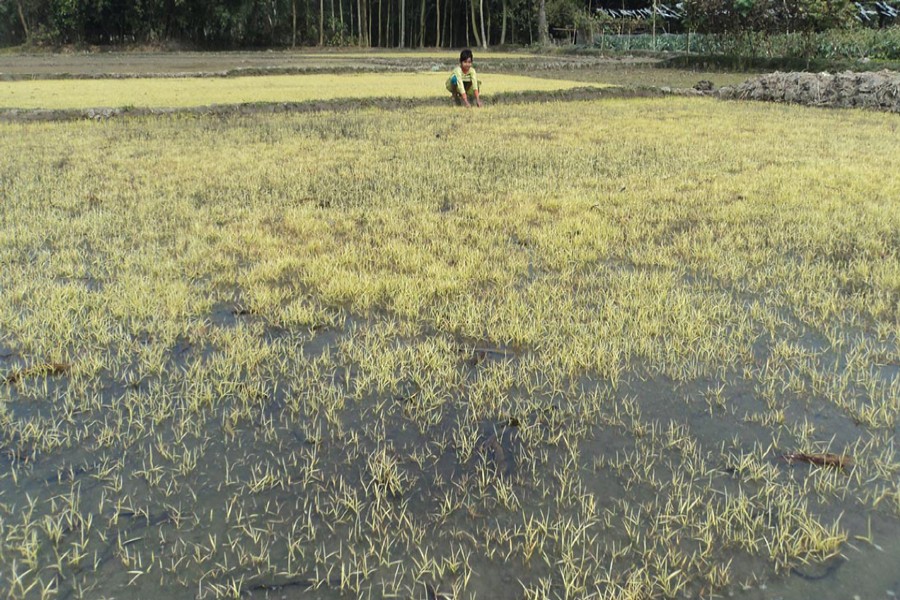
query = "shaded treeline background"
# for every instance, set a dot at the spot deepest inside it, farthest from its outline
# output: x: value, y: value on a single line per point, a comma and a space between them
x: 396, y: 23
x: 242, y: 23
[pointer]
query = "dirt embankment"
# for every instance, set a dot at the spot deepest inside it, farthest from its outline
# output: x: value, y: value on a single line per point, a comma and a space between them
x: 878, y: 91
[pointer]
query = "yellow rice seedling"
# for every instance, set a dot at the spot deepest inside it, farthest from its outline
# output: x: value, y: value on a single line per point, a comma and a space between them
x: 298, y: 343
x: 184, y: 92
x: 444, y: 55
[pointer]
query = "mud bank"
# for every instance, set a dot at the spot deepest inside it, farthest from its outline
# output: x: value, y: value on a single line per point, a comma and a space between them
x: 875, y: 91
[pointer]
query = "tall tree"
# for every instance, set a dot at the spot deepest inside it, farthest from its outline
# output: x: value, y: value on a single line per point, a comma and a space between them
x: 402, y: 22
x: 484, y: 39
x: 321, y: 22
x: 422, y: 25
x: 23, y: 21
x: 448, y: 23
x: 474, y: 23
x: 543, y: 31
x: 364, y: 23
x: 466, y: 21
x: 503, y: 22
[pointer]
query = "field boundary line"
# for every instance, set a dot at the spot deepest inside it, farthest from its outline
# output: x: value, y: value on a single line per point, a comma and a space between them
x: 336, y: 105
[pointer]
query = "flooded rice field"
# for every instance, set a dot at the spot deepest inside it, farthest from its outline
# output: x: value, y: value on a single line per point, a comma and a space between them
x: 624, y: 349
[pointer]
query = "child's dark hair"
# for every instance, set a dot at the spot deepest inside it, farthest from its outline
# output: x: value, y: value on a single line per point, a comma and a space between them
x: 465, y: 55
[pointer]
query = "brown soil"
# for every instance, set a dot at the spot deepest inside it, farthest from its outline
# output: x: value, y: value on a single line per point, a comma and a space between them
x: 876, y: 91
x: 122, y: 65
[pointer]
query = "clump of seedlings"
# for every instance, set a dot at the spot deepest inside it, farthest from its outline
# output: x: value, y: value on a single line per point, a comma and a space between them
x: 289, y: 352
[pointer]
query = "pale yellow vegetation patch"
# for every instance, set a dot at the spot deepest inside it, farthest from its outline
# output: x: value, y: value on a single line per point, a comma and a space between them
x: 442, y: 55
x: 320, y: 327
x: 184, y: 92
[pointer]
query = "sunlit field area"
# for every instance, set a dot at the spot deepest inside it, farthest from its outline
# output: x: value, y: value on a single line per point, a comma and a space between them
x: 185, y: 92
x: 622, y: 349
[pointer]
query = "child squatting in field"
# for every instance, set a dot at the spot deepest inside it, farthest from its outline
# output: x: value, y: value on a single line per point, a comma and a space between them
x: 463, y: 82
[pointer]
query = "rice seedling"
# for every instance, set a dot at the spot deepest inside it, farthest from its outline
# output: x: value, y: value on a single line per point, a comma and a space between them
x: 186, y: 92
x: 298, y: 356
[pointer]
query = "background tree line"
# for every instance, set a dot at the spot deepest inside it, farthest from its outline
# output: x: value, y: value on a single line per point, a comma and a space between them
x: 248, y: 23
x: 374, y: 23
